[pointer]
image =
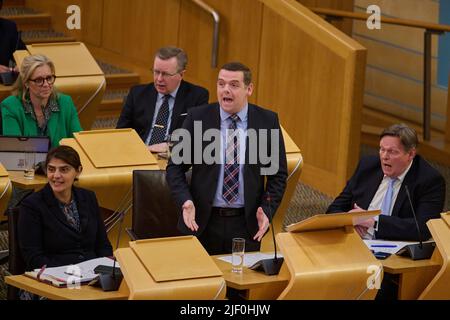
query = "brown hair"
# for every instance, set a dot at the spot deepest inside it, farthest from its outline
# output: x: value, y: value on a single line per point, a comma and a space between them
x: 407, y: 135
x: 237, y: 66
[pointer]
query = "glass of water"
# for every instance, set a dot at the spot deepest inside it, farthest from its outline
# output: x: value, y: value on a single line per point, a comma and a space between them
x: 30, y: 162
x: 238, y: 251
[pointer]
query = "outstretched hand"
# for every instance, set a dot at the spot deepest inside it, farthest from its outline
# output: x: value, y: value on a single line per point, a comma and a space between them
x: 263, y: 224
x: 189, y: 215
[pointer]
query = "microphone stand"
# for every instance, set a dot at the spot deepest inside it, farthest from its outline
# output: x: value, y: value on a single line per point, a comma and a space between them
x: 269, y: 266
x: 421, y: 250
x: 107, y: 279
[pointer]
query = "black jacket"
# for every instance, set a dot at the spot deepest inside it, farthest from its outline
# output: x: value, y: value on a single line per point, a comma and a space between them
x: 9, y: 41
x: 46, y: 238
x: 139, y: 107
x: 205, y: 176
x: 426, y: 186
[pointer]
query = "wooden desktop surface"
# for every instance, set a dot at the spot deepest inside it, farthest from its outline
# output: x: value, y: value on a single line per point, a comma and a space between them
x: 45, y: 290
x: 414, y: 277
x: 258, y: 285
x: 18, y: 180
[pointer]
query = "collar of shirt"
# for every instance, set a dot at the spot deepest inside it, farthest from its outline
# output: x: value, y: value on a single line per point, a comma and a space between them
x: 52, y: 104
x: 243, y: 114
x: 401, y: 177
x: 173, y: 94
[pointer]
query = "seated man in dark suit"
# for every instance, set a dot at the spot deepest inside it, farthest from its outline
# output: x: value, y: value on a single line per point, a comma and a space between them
x: 154, y: 110
x: 380, y: 183
x: 9, y: 42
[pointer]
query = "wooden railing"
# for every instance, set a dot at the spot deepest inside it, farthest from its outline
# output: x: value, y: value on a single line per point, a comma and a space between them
x: 429, y: 30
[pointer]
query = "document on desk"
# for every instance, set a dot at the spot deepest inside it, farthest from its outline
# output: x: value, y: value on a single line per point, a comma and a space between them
x: 251, y: 258
x: 61, y: 276
x: 386, y: 246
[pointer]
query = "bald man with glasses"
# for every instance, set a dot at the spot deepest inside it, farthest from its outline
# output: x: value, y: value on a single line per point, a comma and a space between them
x: 154, y: 110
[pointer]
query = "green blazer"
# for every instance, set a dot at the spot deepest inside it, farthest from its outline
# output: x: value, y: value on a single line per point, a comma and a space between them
x: 62, y: 124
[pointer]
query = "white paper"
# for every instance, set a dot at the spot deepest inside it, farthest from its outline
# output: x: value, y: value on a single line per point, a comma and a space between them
x: 251, y: 258
x: 386, y: 246
x: 83, y: 270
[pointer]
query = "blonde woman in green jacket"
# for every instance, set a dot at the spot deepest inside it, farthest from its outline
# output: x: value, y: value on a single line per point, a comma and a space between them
x: 35, y: 108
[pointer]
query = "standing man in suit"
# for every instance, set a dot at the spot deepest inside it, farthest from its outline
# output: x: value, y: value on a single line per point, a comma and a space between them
x: 228, y: 197
x: 154, y: 110
x: 380, y: 183
x: 9, y: 42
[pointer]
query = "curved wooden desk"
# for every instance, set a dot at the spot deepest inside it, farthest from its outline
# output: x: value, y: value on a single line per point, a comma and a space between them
x: 294, y: 163
x: 439, y: 287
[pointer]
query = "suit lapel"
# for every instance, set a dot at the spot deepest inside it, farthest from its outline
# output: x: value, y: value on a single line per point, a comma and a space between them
x: 373, y: 183
x: 53, y: 206
x: 178, y: 105
x: 83, y: 209
x: 408, y: 181
x: 149, y: 105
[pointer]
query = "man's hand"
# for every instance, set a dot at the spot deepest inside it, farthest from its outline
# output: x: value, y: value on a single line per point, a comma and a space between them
x: 362, y: 226
x: 263, y: 224
x: 357, y: 208
x: 158, y: 148
x: 189, y: 215
x: 4, y: 69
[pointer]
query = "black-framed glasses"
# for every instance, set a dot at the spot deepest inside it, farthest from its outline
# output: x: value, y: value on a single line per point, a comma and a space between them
x: 163, y: 74
x: 40, y: 81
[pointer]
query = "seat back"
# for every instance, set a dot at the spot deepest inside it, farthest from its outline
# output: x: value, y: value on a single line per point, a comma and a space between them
x: 16, y: 262
x: 154, y: 214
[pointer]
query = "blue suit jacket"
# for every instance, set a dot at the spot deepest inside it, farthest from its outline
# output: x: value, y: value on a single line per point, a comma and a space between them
x: 46, y: 238
x: 426, y: 186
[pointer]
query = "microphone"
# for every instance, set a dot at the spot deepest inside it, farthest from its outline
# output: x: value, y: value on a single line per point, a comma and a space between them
x: 417, y: 251
x: 269, y: 266
x: 110, y: 278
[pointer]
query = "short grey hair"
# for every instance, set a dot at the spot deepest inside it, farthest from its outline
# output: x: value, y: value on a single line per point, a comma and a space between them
x: 407, y: 135
x: 167, y: 53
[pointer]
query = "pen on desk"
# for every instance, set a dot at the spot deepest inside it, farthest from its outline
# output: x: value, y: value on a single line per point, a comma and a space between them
x: 383, y: 246
x: 41, y: 271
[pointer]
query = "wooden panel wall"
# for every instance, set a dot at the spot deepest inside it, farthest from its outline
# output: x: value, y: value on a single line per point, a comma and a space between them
x: 309, y: 72
x: 395, y: 62
x: 312, y: 75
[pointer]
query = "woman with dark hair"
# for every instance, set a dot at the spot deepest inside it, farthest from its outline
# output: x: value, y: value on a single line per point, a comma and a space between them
x: 61, y: 224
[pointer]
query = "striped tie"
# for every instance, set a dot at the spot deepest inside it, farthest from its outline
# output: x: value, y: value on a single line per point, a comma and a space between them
x: 160, y: 127
x: 231, y: 168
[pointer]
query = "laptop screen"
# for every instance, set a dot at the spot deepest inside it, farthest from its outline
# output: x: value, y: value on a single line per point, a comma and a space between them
x: 13, y: 150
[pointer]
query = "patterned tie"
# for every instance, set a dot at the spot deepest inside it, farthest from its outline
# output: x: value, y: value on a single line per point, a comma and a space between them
x: 231, y: 168
x: 160, y: 127
x: 386, y: 205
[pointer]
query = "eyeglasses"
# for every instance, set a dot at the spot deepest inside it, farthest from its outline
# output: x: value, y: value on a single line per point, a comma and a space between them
x: 390, y: 152
x: 40, y: 81
x: 163, y: 74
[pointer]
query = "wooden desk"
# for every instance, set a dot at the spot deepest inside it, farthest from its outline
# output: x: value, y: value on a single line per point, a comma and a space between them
x: 414, y: 276
x: 45, y: 290
x: 18, y: 180
x: 258, y: 286
x: 5, y: 91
